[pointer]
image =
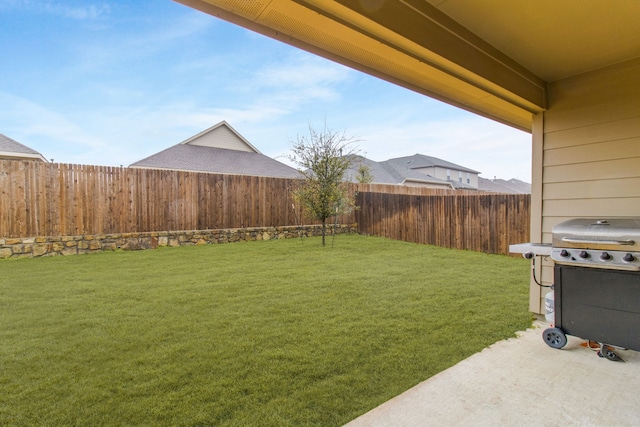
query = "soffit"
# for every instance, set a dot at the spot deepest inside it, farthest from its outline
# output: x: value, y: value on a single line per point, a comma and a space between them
x: 492, y: 57
x: 553, y: 39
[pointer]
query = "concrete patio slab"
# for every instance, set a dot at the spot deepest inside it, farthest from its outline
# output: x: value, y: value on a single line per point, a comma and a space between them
x: 522, y: 382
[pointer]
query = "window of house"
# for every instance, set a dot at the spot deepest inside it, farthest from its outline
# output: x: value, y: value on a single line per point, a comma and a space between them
x: 448, y: 175
x: 459, y: 176
x: 468, y: 178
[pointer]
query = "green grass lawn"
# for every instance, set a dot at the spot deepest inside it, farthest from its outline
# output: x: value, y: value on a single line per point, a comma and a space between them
x: 273, y: 333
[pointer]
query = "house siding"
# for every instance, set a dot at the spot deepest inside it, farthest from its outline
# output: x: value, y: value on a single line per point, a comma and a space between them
x: 222, y: 137
x: 591, y: 151
x: 441, y: 173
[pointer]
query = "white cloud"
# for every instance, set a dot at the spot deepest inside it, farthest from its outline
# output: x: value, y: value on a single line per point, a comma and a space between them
x: 124, y: 46
x: 81, y: 11
x: 301, y: 71
x: 468, y: 140
x: 23, y: 119
x: 298, y: 80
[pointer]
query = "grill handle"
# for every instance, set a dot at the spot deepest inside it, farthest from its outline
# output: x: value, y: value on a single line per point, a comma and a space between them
x: 599, y: 242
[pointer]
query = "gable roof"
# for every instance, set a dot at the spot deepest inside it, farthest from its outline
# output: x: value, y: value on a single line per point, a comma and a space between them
x: 419, y: 161
x: 12, y: 149
x: 216, y: 160
x: 388, y: 173
x: 209, y: 151
x: 221, y: 135
x: 379, y: 174
x: 512, y: 186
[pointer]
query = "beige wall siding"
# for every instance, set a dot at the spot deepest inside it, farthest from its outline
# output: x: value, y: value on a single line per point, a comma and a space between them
x: 222, y: 137
x: 591, y: 149
x: 474, y: 179
x: 429, y: 171
x: 536, y: 292
x: 441, y: 173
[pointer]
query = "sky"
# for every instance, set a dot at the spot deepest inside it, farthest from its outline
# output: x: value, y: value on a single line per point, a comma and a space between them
x: 112, y: 82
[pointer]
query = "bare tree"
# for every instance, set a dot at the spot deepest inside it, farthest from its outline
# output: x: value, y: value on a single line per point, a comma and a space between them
x: 323, y: 158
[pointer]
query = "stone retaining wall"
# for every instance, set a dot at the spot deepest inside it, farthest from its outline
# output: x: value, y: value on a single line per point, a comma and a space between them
x: 73, y: 245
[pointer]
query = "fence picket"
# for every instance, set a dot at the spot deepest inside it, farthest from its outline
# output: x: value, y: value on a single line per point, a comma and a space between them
x: 481, y: 222
x: 38, y: 199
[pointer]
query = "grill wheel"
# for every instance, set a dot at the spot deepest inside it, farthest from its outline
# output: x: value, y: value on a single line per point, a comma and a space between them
x: 554, y: 337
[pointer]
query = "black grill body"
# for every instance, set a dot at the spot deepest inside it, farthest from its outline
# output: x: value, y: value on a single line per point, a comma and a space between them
x: 601, y: 305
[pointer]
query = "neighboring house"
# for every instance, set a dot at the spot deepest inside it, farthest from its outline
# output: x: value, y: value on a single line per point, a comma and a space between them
x: 219, y: 149
x: 512, y: 186
x: 418, y: 170
x: 458, y: 176
x: 13, y: 150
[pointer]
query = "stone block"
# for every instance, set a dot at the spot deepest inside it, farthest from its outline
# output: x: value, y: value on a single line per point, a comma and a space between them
x: 5, y: 253
x: 69, y: 251
x: 145, y: 243
x: 131, y: 244
x: 39, y: 249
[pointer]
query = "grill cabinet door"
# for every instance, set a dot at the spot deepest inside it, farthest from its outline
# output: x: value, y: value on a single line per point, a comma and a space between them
x: 599, y: 305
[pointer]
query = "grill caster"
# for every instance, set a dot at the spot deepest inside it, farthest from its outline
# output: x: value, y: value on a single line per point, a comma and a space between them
x: 554, y: 337
x: 608, y: 353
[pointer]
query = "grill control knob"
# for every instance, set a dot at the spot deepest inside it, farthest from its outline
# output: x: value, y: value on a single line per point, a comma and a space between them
x: 605, y: 256
x: 628, y: 257
x: 564, y: 253
x: 584, y: 254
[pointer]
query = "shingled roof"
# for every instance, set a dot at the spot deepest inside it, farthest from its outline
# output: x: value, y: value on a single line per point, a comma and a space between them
x: 405, y: 171
x: 12, y: 149
x: 512, y: 186
x: 216, y: 160
x: 219, y: 149
x: 418, y: 161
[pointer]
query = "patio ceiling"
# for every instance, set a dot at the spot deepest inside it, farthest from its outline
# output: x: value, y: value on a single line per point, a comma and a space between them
x: 491, y: 57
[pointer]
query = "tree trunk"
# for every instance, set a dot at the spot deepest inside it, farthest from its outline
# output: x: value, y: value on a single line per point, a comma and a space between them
x: 324, y: 229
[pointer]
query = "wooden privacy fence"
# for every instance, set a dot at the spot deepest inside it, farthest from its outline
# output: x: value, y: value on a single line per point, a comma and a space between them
x: 53, y: 199
x: 482, y: 222
x: 50, y: 199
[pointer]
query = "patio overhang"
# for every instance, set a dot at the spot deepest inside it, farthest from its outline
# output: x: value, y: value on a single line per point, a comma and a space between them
x: 493, y: 58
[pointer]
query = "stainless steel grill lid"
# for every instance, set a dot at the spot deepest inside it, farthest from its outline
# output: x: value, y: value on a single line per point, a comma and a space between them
x: 598, y: 243
x: 621, y: 234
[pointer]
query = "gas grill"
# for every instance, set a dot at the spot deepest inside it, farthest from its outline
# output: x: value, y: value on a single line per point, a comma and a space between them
x: 612, y: 244
x: 596, y: 282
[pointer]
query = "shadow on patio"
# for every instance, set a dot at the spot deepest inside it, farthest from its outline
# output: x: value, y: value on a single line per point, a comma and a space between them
x: 521, y: 381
